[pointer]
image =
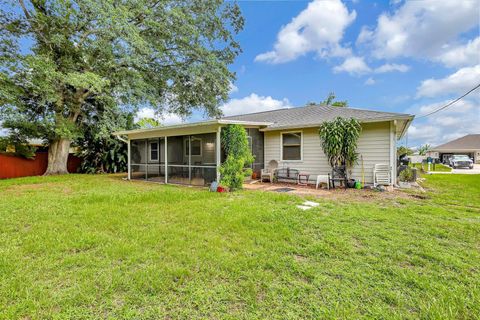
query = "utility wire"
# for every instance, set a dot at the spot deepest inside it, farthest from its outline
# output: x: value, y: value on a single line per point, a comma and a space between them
x: 450, y: 103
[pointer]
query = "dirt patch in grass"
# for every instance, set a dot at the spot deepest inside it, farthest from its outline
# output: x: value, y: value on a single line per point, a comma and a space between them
x: 21, y: 189
x: 341, y: 194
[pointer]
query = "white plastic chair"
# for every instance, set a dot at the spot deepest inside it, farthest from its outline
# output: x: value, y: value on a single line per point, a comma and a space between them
x: 382, y: 175
x: 323, y: 178
x: 269, y: 171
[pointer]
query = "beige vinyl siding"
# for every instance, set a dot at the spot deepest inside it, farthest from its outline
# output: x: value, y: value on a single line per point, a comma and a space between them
x: 374, y: 144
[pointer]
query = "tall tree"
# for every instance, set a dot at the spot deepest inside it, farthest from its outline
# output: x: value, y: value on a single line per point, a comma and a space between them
x: 422, y: 150
x: 330, y: 101
x: 87, y: 56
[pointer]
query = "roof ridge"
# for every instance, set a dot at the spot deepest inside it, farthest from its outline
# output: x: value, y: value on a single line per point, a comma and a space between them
x: 314, y: 106
x: 268, y: 111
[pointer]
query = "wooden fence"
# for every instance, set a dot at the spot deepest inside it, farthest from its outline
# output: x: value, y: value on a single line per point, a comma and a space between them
x: 14, y: 167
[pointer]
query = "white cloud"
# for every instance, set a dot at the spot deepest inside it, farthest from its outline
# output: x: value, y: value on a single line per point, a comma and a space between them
x: 357, y: 66
x: 461, y: 55
x: 391, y: 67
x: 253, y: 103
x: 370, y: 82
x: 458, y: 83
x: 165, y: 119
x: 233, y: 88
x: 420, y: 28
x: 319, y: 28
x: 354, y: 66
x: 458, y: 120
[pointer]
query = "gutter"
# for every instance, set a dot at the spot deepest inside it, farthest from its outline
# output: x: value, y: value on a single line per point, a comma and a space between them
x: 120, y: 138
x: 405, y: 127
x: 193, y: 124
x: 314, y: 125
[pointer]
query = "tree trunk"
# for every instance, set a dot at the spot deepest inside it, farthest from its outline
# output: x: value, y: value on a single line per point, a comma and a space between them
x: 58, y: 157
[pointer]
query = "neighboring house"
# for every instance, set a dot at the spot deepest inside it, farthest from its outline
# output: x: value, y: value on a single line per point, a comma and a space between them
x: 468, y: 145
x: 289, y: 136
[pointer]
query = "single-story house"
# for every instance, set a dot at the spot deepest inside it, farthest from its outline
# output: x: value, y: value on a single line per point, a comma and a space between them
x: 191, y: 153
x: 468, y: 145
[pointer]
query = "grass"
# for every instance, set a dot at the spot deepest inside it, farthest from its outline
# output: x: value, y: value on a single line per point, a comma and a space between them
x: 83, y: 246
x: 438, y: 167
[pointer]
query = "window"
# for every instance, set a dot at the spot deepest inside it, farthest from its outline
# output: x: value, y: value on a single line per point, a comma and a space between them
x: 292, y: 146
x: 153, y: 151
x: 196, y: 144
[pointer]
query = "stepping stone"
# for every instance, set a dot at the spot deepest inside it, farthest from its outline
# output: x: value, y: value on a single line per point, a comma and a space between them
x: 304, y: 207
x: 311, y: 204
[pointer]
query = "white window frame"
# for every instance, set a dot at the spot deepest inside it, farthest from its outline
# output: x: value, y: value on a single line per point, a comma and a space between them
x: 150, y: 151
x: 188, y: 141
x: 301, y: 145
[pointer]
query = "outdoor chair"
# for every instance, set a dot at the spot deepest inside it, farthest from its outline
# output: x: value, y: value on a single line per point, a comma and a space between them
x: 323, y: 178
x: 382, y: 175
x: 269, y: 172
x: 339, y: 173
x: 287, y: 174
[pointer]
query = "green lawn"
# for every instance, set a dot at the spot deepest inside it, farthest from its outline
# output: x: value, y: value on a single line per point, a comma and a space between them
x: 88, y: 246
x: 438, y: 167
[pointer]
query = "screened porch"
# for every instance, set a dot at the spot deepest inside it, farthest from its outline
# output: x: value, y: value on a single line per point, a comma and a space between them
x: 188, y: 159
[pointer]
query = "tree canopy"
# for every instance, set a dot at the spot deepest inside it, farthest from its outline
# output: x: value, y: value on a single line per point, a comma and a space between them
x: 64, y: 62
x: 330, y: 101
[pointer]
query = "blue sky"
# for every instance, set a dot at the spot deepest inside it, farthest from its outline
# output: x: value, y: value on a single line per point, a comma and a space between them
x: 390, y: 55
x: 314, y: 70
x: 394, y: 56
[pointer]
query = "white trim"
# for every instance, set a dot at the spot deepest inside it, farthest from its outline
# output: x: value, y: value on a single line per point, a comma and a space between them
x: 129, y: 174
x: 166, y: 161
x: 317, y: 124
x: 301, y: 145
x: 194, y: 124
x: 150, y: 150
x: 393, y: 152
x: 218, y: 149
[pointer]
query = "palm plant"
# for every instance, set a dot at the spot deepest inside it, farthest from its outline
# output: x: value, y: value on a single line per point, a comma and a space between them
x: 339, y: 141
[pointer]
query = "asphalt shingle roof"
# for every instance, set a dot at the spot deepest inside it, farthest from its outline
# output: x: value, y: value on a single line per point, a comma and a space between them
x: 313, y: 115
x: 468, y: 142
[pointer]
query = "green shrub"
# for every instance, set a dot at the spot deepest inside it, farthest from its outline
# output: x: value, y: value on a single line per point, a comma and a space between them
x: 339, y: 141
x: 406, y: 175
x: 21, y: 146
x: 233, y: 170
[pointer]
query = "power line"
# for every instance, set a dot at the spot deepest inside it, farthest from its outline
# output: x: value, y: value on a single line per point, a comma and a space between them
x: 450, y: 103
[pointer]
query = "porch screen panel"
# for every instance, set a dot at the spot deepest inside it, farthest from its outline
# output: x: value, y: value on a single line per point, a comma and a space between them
x: 138, y: 159
x: 175, y: 153
x: 138, y: 151
x: 203, y: 157
x: 257, y: 147
x: 178, y: 161
x: 156, y: 158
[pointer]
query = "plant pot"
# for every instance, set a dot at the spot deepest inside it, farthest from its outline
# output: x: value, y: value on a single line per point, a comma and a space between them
x: 404, y: 184
x: 254, y: 176
x: 222, y: 189
x: 351, y: 183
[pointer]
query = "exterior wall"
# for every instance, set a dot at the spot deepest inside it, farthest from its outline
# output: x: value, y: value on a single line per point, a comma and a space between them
x: 374, y: 144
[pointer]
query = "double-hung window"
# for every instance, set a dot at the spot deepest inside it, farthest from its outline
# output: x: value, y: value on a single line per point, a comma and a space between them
x: 291, y: 146
x: 153, y: 151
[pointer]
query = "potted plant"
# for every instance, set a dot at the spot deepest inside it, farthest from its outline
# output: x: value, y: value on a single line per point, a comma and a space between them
x: 339, y: 139
x: 405, y: 177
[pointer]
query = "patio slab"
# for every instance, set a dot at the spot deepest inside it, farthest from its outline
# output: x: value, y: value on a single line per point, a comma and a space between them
x: 333, y: 194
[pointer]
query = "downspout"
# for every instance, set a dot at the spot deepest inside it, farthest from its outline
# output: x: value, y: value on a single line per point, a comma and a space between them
x: 121, y: 139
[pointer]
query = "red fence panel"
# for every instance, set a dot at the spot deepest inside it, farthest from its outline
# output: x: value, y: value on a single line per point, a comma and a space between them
x: 14, y: 167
